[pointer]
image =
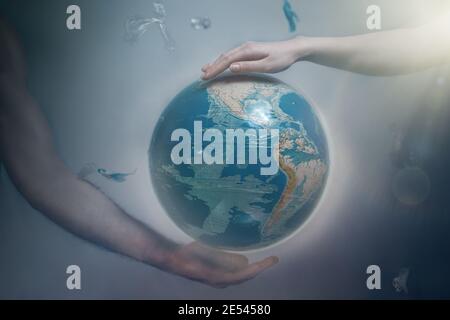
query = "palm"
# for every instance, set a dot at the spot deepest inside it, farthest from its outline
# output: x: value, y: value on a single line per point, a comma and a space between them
x: 215, y: 268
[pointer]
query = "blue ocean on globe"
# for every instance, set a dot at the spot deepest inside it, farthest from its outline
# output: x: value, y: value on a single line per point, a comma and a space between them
x: 234, y: 206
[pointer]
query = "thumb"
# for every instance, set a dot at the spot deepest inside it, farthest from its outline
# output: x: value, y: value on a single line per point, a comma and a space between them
x: 250, y: 66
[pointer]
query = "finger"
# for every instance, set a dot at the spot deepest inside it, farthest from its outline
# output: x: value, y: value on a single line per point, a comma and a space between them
x: 205, y: 67
x: 224, y: 61
x: 229, y: 53
x: 250, y: 66
x: 243, y: 53
x: 219, y: 65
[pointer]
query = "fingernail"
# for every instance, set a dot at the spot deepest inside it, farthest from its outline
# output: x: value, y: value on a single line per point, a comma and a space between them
x: 235, y: 68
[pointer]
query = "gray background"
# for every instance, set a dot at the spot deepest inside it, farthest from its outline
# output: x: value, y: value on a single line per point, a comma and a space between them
x: 102, y: 98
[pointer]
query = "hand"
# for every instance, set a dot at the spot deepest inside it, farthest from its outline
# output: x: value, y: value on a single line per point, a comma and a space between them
x: 267, y: 57
x: 215, y: 268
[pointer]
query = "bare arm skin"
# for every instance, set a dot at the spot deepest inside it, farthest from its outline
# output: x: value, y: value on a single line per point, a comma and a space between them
x: 27, y: 150
x: 380, y: 54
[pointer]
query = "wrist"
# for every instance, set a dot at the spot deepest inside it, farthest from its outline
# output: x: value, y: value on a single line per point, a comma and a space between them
x: 161, y: 254
x: 303, y: 48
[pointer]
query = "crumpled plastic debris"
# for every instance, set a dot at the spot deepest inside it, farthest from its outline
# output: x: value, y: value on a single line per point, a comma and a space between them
x: 200, y: 23
x: 137, y: 26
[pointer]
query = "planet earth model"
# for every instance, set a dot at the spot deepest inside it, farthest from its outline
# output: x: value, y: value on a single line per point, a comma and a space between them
x: 240, y: 162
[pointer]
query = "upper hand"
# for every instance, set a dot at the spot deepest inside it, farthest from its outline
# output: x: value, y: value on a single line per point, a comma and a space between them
x: 266, y: 57
x: 215, y: 268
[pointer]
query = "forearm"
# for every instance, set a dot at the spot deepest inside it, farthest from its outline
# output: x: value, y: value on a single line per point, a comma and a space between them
x: 383, y: 53
x: 27, y: 151
x: 86, y: 212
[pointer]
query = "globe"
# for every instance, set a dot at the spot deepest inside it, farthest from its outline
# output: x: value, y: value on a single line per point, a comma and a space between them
x: 240, y: 162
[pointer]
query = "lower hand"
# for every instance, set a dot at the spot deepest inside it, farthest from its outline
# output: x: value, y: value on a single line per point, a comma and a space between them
x: 215, y: 268
x: 266, y: 57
